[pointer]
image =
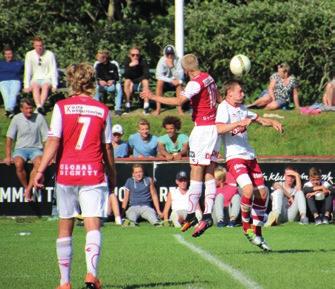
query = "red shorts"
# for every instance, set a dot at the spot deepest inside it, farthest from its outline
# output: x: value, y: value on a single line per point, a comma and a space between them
x: 238, y: 167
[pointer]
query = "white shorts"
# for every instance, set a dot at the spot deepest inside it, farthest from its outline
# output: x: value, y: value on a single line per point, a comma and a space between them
x: 89, y: 200
x: 204, y: 145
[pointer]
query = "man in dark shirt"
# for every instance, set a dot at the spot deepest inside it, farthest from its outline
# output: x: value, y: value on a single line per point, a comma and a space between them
x: 136, y: 73
x: 107, y: 74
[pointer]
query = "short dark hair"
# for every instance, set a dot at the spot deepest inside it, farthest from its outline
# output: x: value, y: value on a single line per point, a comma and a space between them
x: 7, y: 48
x: 230, y: 84
x: 172, y: 120
x: 314, y: 172
x: 26, y: 100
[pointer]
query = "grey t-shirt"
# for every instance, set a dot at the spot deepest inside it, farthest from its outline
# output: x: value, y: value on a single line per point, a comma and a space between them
x: 139, y: 192
x: 28, y: 133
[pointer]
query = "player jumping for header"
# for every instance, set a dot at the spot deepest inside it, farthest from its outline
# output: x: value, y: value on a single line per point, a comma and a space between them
x: 202, y: 92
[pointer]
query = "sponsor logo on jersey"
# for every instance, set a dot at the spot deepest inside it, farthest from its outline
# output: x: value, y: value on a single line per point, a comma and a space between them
x: 83, y: 109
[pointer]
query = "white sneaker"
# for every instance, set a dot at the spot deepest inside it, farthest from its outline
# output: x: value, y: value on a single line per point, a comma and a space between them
x: 304, y: 221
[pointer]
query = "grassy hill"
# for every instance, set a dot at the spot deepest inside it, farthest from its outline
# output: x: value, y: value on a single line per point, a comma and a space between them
x: 303, y: 135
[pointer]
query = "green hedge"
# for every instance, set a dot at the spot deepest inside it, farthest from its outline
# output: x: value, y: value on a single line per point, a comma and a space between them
x: 299, y: 32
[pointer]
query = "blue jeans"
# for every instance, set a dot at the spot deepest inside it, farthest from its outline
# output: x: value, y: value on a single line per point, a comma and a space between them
x: 100, y: 90
x: 10, y: 90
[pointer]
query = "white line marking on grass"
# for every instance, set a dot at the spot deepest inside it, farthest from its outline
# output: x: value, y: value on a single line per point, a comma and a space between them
x: 235, y: 274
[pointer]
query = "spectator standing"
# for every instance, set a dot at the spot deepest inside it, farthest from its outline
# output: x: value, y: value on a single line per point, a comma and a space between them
x: 232, y: 120
x: 169, y: 75
x: 202, y: 92
x: 318, y: 193
x: 10, y: 80
x: 177, y: 200
x: 121, y: 147
x: 328, y: 98
x: 173, y: 145
x: 283, y: 86
x: 30, y: 131
x: 136, y: 74
x: 143, y: 143
x: 40, y: 73
x: 288, y: 200
x: 81, y: 135
x: 141, y: 193
x: 227, y: 198
x: 108, y: 79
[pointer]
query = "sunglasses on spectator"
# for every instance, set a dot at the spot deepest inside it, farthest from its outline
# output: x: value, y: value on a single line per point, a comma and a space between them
x: 134, y: 54
x: 39, y: 61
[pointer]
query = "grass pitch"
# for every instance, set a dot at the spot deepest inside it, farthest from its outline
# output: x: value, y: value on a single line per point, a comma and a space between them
x: 150, y: 257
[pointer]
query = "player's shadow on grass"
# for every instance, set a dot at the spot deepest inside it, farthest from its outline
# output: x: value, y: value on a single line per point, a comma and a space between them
x: 154, y: 285
x: 291, y: 251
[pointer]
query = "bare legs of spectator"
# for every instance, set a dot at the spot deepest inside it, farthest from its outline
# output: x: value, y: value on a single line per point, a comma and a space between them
x: 329, y: 95
x: 22, y: 174
x: 40, y: 93
x: 128, y: 91
x: 145, y: 87
x: 266, y: 102
x: 160, y: 92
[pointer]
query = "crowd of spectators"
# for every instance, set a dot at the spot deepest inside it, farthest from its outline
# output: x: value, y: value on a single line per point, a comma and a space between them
x: 28, y: 129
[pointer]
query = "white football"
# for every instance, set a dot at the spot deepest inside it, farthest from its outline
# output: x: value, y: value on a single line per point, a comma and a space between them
x: 240, y: 65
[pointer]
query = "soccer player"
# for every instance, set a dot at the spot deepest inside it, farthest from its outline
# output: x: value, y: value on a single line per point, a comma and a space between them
x: 80, y: 135
x: 232, y: 120
x: 202, y: 92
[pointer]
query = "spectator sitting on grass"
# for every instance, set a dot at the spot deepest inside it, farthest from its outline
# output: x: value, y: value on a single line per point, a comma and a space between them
x: 121, y: 148
x: 142, y: 143
x: 288, y: 200
x: 328, y: 98
x: 318, y: 191
x: 227, y: 196
x: 282, y: 87
x: 177, y: 200
x: 173, y: 145
x: 141, y: 193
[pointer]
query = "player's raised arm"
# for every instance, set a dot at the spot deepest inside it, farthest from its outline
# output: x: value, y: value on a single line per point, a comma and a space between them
x: 173, y: 101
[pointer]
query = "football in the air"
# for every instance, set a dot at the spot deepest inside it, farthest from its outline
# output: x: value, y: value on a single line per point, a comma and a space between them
x: 240, y: 65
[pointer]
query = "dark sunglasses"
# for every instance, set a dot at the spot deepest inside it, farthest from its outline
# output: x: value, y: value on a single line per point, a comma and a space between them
x: 39, y: 61
x: 134, y: 55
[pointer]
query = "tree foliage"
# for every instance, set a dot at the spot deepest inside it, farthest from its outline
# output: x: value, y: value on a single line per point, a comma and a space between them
x: 299, y: 32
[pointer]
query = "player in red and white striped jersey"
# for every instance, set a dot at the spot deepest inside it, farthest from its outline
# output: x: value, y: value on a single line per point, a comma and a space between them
x: 203, y: 95
x: 232, y: 120
x: 80, y: 138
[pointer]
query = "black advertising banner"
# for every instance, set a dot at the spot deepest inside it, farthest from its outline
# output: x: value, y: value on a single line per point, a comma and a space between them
x: 12, y: 202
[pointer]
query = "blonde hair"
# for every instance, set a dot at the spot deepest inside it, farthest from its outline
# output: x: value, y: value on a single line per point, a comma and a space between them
x: 285, y: 67
x: 220, y: 174
x: 190, y: 62
x: 81, y: 78
x: 103, y: 51
x: 137, y: 166
x: 143, y: 121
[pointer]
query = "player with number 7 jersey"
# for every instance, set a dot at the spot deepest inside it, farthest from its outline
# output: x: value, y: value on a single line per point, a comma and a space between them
x: 80, y: 138
x: 83, y: 123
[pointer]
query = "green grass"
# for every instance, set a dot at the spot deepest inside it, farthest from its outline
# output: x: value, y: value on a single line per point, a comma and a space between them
x: 150, y: 257
x: 304, y: 135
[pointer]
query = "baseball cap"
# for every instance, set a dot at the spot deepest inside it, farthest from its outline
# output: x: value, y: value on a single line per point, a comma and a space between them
x: 169, y: 49
x: 117, y: 128
x: 181, y: 175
